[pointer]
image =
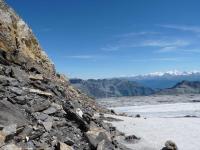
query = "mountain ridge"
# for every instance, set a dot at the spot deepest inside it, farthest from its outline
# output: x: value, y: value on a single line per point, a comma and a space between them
x: 102, y: 88
x: 183, y: 87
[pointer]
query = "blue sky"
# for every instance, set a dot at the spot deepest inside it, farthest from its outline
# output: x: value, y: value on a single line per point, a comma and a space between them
x: 111, y: 38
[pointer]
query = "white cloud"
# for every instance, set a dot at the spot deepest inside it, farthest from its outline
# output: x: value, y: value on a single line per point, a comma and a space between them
x: 195, y: 29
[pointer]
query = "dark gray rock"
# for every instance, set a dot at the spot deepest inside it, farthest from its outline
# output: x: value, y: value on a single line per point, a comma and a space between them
x: 132, y: 139
x: 69, y: 141
x: 72, y: 115
x: 5, y: 81
x: 20, y: 100
x: 19, y: 74
x: 10, y: 114
x: 137, y: 116
x: 16, y: 90
x: 50, y: 110
x: 47, y: 125
x: 3, y: 59
x: 39, y: 104
x: 40, y: 116
x: 170, y: 145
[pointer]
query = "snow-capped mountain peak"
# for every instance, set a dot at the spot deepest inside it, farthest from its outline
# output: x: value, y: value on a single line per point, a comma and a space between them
x: 171, y: 73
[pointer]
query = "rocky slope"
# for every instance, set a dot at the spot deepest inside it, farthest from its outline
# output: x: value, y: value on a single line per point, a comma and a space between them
x: 17, y: 39
x: 184, y: 87
x: 39, y: 109
x: 102, y: 88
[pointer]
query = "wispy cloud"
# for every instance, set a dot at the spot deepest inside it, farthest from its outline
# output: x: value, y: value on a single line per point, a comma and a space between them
x: 81, y: 56
x: 154, y: 41
x: 195, y: 29
x: 163, y: 59
x: 191, y: 50
x: 168, y: 49
x: 142, y: 33
x: 165, y: 43
x: 86, y: 57
x: 111, y: 48
x: 47, y: 29
x: 169, y: 46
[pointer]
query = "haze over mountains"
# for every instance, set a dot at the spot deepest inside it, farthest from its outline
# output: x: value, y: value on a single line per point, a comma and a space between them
x: 161, y: 80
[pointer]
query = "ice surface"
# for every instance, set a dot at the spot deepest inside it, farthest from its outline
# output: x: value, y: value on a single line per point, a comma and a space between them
x: 154, y: 132
x: 164, y: 121
x: 162, y: 110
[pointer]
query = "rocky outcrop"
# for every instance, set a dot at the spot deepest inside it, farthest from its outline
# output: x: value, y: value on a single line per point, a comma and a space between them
x: 170, y: 145
x: 19, y: 43
x: 102, y: 88
x: 39, y: 109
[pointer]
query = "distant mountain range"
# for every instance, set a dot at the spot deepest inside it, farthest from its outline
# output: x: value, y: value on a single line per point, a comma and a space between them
x: 162, y: 80
x: 110, y: 87
x: 171, y: 82
x: 184, y: 87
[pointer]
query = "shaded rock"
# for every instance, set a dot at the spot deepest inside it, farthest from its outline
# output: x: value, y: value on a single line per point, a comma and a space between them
x: 19, y: 74
x: 72, y: 115
x: 47, y: 125
x: 190, y: 116
x: 137, y: 116
x: 68, y: 141
x: 39, y: 104
x: 50, y: 110
x: 36, y: 134
x: 26, y: 133
x: 20, y: 100
x: 170, y: 145
x: 131, y: 139
x: 9, y: 130
x: 96, y: 135
x: 5, y: 81
x: 3, y: 59
x: 11, y: 147
x: 9, y: 114
x: 40, y: 116
x: 57, y: 106
x: 112, y: 112
x: 16, y: 90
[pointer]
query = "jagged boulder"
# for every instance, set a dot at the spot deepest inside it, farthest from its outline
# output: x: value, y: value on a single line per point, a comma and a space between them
x: 170, y: 145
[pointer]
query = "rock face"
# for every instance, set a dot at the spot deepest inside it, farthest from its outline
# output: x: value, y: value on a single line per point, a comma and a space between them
x: 102, y: 88
x: 19, y: 43
x: 39, y: 109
